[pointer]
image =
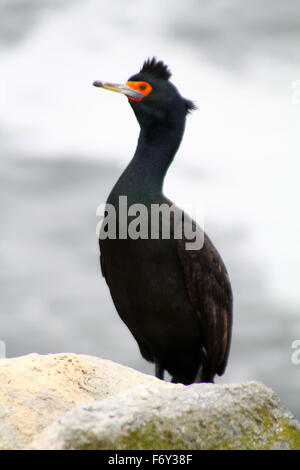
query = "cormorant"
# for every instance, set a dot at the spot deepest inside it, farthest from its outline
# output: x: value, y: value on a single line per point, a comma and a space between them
x: 177, y: 302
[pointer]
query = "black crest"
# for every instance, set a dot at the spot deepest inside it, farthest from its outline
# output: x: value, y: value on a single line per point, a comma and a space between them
x: 156, y: 68
x: 189, y: 106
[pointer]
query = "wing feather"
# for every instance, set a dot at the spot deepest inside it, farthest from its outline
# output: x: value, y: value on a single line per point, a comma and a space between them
x: 209, y: 290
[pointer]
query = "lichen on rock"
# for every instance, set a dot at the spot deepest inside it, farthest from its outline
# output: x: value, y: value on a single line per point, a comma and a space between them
x: 70, y: 401
x: 200, y: 416
x: 37, y: 389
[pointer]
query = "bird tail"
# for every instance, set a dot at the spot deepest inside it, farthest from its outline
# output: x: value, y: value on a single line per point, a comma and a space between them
x: 204, y: 373
x: 203, y: 376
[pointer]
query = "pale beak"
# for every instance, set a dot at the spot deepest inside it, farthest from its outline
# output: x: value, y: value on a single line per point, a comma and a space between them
x: 124, y: 89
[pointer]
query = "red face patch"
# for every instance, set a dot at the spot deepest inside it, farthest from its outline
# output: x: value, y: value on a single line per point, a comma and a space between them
x: 142, y: 87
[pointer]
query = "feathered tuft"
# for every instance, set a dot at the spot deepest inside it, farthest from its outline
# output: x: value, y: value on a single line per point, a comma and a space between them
x: 189, y: 106
x: 156, y: 68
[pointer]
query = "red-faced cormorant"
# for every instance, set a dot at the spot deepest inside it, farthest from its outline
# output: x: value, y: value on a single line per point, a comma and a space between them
x: 177, y: 302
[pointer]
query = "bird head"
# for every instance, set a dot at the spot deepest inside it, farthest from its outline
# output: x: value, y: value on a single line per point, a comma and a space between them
x: 153, y: 98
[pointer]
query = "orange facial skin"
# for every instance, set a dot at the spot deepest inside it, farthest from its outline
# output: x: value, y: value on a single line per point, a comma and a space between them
x: 142, y: 87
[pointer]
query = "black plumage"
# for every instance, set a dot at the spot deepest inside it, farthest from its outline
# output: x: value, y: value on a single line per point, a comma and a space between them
x: 156, y: 68
x: 176, y: 302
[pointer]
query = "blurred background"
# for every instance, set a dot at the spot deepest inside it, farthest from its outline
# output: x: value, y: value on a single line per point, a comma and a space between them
x: 63, y: 144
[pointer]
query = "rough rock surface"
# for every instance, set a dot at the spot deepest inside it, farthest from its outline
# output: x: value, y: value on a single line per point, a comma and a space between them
x: 201, y: 416
x: 36, y: 390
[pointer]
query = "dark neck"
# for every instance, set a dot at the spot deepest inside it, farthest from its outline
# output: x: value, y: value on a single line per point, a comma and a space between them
x: 155, y: 151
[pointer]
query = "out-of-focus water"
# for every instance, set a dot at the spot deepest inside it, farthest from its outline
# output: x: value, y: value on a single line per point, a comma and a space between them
x: 64, y: 143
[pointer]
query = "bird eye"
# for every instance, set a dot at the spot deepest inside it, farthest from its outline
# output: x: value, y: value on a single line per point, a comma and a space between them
x: 143, y: 87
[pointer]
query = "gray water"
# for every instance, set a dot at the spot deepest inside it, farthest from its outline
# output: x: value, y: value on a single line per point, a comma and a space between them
x: 63, y: 145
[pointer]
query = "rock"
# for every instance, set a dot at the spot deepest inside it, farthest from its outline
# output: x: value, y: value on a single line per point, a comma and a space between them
x: 70, y: 401
x: 200, y: 416
x: 36, y: 390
